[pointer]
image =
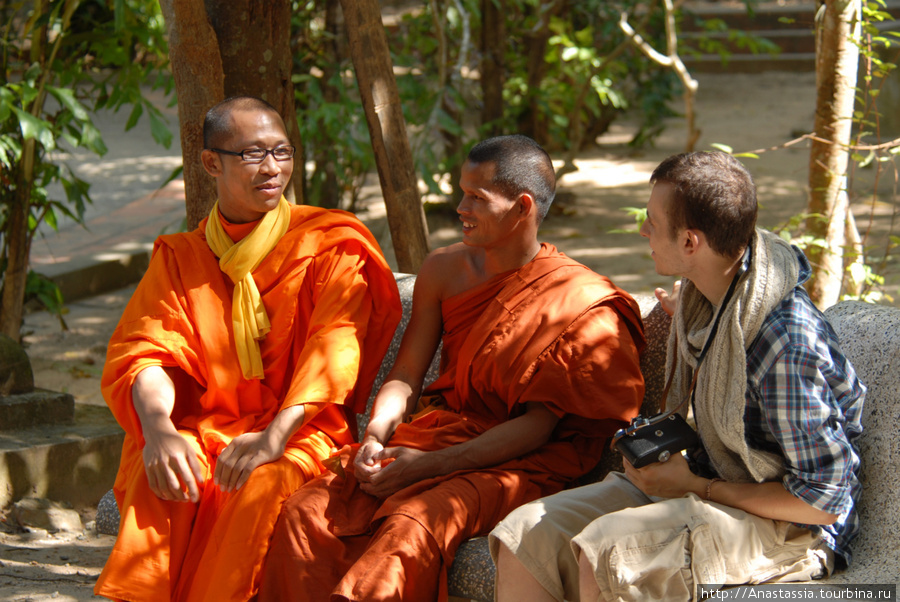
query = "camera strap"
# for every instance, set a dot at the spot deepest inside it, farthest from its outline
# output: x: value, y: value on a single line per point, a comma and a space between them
x: 638, y: 422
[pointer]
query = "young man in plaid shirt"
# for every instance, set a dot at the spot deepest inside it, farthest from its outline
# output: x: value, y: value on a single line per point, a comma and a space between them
x: 770, y: 494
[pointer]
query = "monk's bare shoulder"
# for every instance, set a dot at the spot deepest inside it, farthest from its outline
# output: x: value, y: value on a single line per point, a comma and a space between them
x: 447, y: 271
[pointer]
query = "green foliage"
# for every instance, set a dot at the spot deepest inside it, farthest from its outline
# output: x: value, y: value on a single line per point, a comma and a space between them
x: 47, y: 293
x: 639, y: 214
x: 60, y: 60
x: 429, y: 103
x: 718, y: 39
x: 865, y: 268
x: 330, y: 115
x: 588, y: 77
x: 586, y: 50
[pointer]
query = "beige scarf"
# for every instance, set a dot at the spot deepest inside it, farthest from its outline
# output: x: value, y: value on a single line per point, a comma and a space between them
x: 237, y: 261
x: 721, y: 386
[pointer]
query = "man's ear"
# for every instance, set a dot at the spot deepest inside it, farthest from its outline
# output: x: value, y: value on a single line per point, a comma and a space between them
x: 692, y: 240
x: 211, y: 161
x: 526, y: 204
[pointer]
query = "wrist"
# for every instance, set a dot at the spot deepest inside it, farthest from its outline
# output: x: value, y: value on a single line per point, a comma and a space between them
x: 709, y: 487
x: 369, y: 438
x: 277, y: 435
x: 157, y: 424
x: 446, y: 460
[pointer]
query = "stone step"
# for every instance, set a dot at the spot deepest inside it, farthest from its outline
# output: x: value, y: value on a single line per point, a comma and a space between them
x: 791, y: 28
x: 39, y: 407
x: 747, y: 63
x: 768, y: 16
x: 74, y: 463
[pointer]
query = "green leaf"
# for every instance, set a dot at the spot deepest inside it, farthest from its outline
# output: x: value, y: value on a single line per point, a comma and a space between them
x: 6, y: 103
x: 722, y: 147
x: 66, y: 98
x: 176, y: 173
x: 448, y: 124
x: 32, y: 74
x: 50, y: 218
x: 136, y: 113
x: 9, y: 147
x: 91, y: 139
x: 32, y: 127
x: 570, y: 53
x: 119, y: 15
x: 160, y: 130
x: 77, y: 193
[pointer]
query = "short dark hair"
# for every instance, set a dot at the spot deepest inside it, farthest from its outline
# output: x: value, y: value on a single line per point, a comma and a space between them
x: 521, y: 165
x: 714, y: 193
x: 216, y: 126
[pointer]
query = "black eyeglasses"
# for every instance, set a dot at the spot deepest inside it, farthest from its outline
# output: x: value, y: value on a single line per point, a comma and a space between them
x: 258, y: 155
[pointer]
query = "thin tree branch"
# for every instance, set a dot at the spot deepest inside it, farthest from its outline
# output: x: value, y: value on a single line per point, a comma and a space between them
x: 812, y: 136
x: 673, y: 61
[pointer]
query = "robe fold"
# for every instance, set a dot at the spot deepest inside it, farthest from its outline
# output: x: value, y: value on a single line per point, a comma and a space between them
x: 552, y: 332
x: 333, y: 305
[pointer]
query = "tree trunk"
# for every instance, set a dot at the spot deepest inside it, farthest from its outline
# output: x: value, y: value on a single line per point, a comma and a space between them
x: 329, y: 191
x: 16, y: 275
x: 837, y: 58
x: 453, y: 85
x: 535, y: 125
x: 387, y: 129
x: 259, y: 64
x: 197, y: 70
x: 493, y: 42
x: 17, y: 230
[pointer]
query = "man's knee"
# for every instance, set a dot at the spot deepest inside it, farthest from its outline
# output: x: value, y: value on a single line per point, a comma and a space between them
x: 525, y: 527
x: 527, y: 518
x: 554, y: 520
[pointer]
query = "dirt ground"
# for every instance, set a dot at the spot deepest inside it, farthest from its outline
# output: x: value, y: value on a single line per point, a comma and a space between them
x: 745, y: 112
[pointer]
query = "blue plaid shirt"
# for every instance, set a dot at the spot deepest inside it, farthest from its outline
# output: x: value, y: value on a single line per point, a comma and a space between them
x: 804, y: 402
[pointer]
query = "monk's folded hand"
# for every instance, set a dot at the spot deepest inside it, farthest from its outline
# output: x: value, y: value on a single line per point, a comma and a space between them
x: 364, y: 464
x: 400, y: 467
x: 173, y: 470
x: 243, y: 455
x: 669, y: 479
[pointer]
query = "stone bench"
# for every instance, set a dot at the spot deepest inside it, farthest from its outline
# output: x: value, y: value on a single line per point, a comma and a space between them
x: 870, y: 336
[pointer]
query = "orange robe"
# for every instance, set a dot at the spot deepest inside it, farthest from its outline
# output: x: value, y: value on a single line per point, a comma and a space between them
x: 333, y: 306
x: 551, y: 332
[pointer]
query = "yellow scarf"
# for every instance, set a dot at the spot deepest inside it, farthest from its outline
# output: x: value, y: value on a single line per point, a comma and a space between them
x: 237, y: 261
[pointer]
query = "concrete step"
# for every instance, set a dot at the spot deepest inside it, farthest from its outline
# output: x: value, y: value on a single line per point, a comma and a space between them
x: 74, y: 463
x: 26, y: 410
x: 788, y: 28
x: 765, y: 15
x: 791, y: 28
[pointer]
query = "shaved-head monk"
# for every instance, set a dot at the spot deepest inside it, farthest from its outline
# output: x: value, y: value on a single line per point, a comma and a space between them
x: 234, y: 369
x: 539, y: 366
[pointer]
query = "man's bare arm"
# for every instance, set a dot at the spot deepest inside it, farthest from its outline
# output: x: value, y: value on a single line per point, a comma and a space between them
x: 173, y: 470
x: 249, y: 451
x: 398, y: 396
x: 768, y: 500
x: 506, y: 441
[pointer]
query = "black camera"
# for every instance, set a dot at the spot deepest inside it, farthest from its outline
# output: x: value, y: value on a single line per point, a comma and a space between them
x: 655, y: 439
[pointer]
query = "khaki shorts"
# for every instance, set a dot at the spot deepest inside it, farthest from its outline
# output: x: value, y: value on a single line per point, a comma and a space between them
x: 645, y: 548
